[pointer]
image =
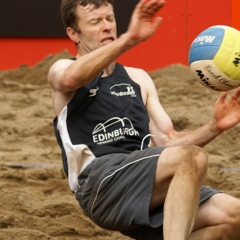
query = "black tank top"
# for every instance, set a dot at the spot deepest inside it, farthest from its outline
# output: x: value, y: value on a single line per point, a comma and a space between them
x: 105, y: 116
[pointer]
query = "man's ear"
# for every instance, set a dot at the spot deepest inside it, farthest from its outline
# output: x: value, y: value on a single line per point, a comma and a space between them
x: 73, y: 35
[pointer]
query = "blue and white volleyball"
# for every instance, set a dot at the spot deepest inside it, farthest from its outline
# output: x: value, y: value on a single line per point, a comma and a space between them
x: 214, y: 58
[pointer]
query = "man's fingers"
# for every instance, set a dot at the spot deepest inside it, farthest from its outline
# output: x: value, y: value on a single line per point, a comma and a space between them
x: 157, y: 22
x: 236, y: 95
x: 222, y: 97
x: 150, y: 7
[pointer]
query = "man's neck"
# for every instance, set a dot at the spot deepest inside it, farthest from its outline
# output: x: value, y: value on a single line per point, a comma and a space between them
x: 109, y: 69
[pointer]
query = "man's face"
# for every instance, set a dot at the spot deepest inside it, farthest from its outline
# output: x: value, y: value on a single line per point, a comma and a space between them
x: 97, y: 26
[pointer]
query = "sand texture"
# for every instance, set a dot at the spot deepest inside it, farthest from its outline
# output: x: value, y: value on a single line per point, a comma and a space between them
x: 35, y: 199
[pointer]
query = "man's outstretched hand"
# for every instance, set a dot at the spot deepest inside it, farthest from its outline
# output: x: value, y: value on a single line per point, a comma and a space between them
x: 227, y: 112
x: 142, y: 25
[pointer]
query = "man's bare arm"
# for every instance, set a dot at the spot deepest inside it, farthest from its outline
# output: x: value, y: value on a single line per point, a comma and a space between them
x: 69, y: 76
x: 225, y: 116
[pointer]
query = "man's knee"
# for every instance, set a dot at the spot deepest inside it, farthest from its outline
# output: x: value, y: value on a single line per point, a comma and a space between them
x: 186, y: 157
x: 232, y: 228
x: 195, y: 156
x: 221, y: 212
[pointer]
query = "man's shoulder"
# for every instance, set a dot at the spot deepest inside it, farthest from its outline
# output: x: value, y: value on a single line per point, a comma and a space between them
x: 136, y: 73
x: 58, y: 65
x: 63, y: 61
x: 133, y: 69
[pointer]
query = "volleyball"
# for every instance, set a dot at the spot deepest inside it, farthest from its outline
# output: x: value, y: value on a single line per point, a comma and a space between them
x: 214, y: 58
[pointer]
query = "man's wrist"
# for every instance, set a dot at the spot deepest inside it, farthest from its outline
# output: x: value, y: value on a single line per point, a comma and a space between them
x: 214, y: 127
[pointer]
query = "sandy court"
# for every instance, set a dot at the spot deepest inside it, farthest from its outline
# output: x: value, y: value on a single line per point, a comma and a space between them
x: 35, y: 200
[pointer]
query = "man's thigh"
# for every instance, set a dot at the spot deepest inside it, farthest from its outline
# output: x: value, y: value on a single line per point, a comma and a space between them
x: 170, y: 160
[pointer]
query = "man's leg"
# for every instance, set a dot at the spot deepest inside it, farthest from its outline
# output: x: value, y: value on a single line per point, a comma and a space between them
x: 218, y: 218
x: 179, y: 175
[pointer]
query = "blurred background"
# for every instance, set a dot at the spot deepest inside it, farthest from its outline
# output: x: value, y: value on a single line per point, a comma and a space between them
x: 30, y: 30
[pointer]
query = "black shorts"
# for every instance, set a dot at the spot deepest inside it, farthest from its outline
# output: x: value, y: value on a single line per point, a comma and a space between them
x: 115, y: 192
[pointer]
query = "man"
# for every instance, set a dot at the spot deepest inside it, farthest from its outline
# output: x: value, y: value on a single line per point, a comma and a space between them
x: 106, y: 115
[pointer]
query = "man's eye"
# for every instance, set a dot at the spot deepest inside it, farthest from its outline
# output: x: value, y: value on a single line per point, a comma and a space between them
x: 94, y: 22
x: 111, y: 19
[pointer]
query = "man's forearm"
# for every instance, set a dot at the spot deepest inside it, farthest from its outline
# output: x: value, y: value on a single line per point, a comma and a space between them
x: 198, y: 137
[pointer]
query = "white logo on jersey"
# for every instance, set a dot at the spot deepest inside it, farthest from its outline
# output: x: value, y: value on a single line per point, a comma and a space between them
x: 93, y: 92
x: 120, y: 91
x: 120, y: 128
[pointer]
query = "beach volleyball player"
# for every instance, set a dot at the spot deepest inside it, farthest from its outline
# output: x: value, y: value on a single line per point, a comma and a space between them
x: 106, y: 115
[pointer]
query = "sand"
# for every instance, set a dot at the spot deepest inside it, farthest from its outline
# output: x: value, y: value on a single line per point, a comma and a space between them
x: 35, y: 200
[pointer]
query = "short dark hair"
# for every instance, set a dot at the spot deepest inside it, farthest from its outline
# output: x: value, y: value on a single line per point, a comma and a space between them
x: 68, y: 10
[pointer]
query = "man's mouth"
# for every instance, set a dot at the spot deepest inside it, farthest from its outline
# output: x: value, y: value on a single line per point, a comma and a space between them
x: 107, y: 40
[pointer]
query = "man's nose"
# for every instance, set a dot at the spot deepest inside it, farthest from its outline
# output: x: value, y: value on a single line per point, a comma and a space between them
x: 106, y: 25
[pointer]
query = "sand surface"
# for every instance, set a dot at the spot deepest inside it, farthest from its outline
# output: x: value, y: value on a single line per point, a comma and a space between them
x: 35, y: 200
